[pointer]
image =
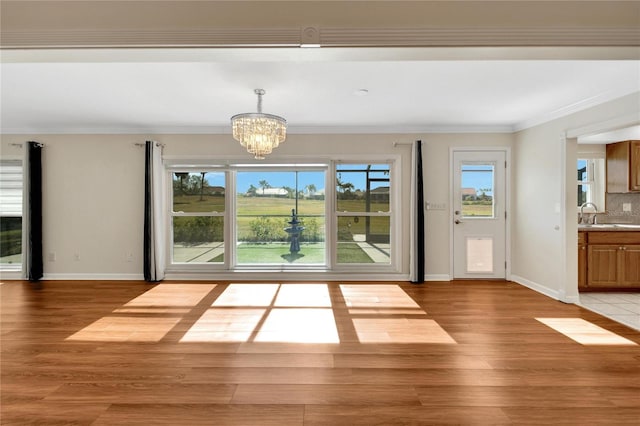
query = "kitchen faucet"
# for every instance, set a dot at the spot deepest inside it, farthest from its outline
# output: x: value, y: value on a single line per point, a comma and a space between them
x: 582, y: 212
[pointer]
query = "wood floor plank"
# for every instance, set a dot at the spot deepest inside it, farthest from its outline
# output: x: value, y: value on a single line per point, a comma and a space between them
x: 338, y: 415
x: 325, y: 394
x: 141, y: 393
x: 202, y: 414
x: 461, y: 352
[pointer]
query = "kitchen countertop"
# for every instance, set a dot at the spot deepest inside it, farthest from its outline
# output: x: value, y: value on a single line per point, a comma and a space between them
x: 609, y: 227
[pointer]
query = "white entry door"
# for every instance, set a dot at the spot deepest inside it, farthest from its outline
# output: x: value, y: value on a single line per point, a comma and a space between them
x: 479, y: 214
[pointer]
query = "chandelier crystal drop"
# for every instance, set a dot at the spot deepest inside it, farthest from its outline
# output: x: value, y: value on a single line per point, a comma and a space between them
x: 259, y: 133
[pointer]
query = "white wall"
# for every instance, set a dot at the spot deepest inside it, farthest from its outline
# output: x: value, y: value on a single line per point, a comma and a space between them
x: 437, y: 189
x: 539, y: 248
x: 93, y: 190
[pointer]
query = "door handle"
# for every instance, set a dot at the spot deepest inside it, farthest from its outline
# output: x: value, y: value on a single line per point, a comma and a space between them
x: 457, y: 222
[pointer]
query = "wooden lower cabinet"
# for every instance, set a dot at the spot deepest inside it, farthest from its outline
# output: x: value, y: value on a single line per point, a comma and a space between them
x: 630, y: 267
x: 582, y: 260
x: 603, y: 269
x: 612, y: 260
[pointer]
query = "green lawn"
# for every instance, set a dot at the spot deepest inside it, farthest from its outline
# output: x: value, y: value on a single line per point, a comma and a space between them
x: 248, y: 209
x: 480, y: 210
x: 277, y: 253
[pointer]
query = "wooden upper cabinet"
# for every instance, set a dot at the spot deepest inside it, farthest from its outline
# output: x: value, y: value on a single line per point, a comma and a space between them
x: 623, y: 167
x: 634, y: 165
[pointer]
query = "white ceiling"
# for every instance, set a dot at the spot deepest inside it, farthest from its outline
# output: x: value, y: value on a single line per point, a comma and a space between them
x: 199, y: 96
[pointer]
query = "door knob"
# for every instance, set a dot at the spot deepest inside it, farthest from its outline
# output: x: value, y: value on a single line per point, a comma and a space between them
x: 457, y: 222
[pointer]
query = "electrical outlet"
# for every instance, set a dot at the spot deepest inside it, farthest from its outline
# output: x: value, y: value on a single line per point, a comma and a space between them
x: 128, y: 257
x: 52, y: 256
x: 626, y: 207
x: 76, y: 257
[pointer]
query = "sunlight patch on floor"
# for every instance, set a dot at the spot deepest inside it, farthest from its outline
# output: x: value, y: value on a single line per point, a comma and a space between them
x: 400, y: 330
x: 376, y: 296
x: 126, y: 329
x: 225, y: 325
x: 584, y: 332
x: 245, y: 294
x: 266, y: 312
x: 303, y: 295
x: 172, y: 295
x: 299, y: 325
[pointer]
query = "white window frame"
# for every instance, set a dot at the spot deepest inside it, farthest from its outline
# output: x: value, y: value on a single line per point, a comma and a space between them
x: 232, y: 165
x: 284, y: 167
x: 595, y: 179
x: 394, y: 210
x: 171, y: 214
x: 14, y: 267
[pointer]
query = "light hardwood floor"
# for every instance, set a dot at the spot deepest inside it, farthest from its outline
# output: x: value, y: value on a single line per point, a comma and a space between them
x: 219, y: 353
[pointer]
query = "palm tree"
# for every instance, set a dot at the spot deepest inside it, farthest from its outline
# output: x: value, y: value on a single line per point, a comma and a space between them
x: 202, y: 185
x: 264, y: 185
x: 311, y: 189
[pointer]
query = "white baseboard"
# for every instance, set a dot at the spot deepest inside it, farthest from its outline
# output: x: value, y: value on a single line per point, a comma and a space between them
x: 11, y: 275
x: 437, y: 277
x: 554, y: 294
x: 284, y: 276
x: 94, y: 277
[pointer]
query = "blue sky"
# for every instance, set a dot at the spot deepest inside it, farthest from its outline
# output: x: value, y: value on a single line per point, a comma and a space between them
x: 244, y: 179
x: 280, y: 179
x: 471, y: 178
x: 478, y: 177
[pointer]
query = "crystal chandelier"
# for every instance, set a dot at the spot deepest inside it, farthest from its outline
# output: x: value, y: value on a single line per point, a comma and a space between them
x: 259, y: 132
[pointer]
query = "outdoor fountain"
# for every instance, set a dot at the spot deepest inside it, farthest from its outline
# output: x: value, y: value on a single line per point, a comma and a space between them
x: 294, y: 232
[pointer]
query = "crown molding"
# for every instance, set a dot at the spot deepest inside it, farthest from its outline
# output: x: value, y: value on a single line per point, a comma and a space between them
x: 327, y: 37
x: 573, y: 108
x: 226, y: 130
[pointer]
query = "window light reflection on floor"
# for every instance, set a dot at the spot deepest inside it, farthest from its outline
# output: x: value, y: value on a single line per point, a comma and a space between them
x: 266, y: 312
x: 375, y: 311
x: 584, y: 332
x: 400, y: 330
x: 292, y: 313
x: 126, y: 329
x: 148, y: 317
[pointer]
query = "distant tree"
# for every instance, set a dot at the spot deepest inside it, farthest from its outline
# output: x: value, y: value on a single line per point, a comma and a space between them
x: 290, y: 191
x: 344, y: 186
x: 181, y: 176
x: 202, y: 185
x: 264, y: 185
x: 311, y: 189
x: 252, y: 190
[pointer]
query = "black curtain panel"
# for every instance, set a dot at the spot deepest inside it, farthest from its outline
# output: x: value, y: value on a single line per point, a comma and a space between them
x: 154, y: 240
x: 148, y: 212
x: 419, y: 214
x: 34, y: 267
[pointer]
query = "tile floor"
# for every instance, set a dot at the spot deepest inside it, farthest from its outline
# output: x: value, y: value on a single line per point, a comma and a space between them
x: 621, y: 307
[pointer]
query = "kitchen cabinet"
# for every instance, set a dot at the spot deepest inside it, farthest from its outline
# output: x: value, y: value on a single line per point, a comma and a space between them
x: 623, y: 167
x: 613, y: 260
x: 582, y: 260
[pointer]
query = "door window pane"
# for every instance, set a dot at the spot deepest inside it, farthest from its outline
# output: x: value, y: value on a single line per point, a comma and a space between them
x: 477, y: 182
